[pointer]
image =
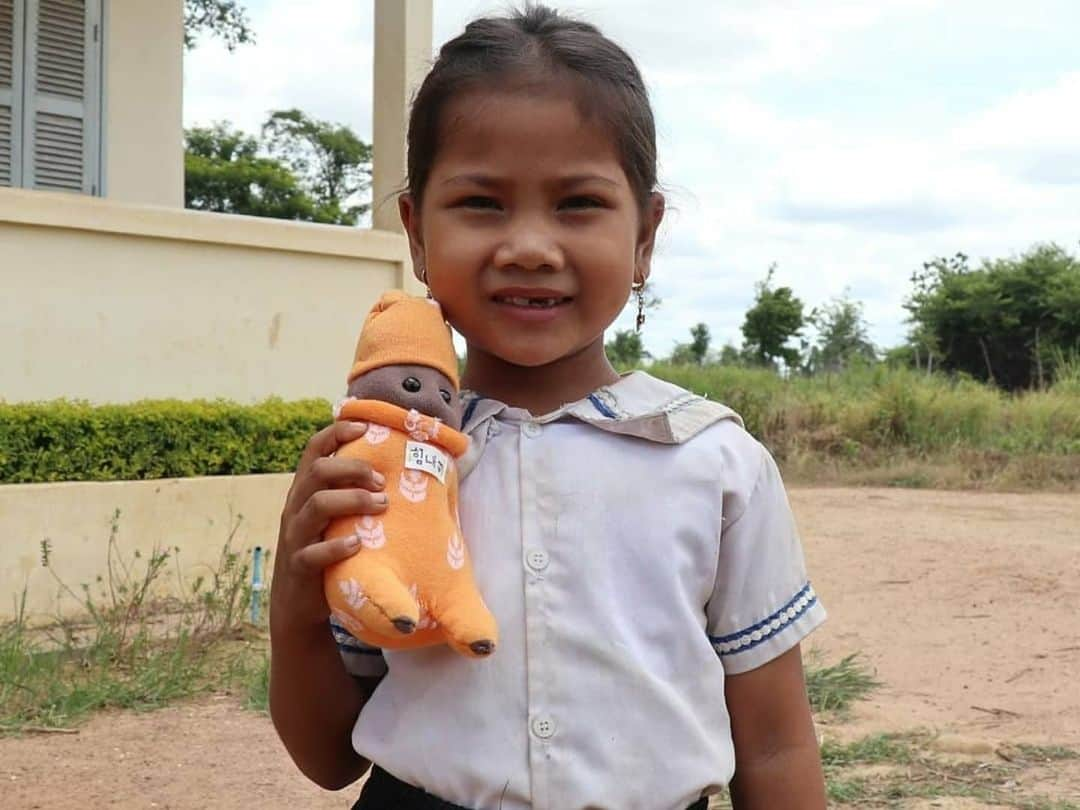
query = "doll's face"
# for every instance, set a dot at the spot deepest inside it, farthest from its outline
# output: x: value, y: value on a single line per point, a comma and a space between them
x: 411, y: 387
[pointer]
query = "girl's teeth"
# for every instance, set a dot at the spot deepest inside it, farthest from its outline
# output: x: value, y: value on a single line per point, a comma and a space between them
x: 532, y: 302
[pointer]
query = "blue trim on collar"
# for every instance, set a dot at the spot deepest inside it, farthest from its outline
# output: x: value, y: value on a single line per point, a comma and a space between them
x: 600, y: 406
x: 470, y: 409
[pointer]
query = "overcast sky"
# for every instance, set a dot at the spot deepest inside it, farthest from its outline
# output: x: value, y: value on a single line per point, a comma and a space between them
x: 846, y: 141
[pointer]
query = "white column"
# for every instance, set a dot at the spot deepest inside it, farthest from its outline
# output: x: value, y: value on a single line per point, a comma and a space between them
x: 402, y: 57
x: 143, y: 126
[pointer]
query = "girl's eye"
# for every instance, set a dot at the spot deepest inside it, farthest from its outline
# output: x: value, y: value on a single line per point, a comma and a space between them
x: 476, y: 201
x: 411, y: 384
x: 582, y: 201
x: 445, y: 395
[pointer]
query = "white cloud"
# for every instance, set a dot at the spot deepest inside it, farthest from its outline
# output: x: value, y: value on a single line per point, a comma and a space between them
x: 314, y: 55
x: 842, y: 189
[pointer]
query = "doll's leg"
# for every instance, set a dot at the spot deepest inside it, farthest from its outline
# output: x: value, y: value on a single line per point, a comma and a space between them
x: 387, y: 607
x: 469, y: 626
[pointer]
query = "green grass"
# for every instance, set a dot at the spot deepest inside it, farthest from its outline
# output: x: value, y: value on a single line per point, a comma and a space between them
x: 1046, y: 753
x: 873, y: 750
x: 835, y: 687
x: 899, y: 427
x: 126, y: 650
x: 886, y: 770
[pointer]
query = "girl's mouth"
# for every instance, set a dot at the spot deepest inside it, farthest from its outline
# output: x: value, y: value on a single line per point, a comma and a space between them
x: 531, y: 302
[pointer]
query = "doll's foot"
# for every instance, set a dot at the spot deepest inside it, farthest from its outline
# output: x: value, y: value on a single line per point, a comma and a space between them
x: 405, y: 625
x: 484, y: 647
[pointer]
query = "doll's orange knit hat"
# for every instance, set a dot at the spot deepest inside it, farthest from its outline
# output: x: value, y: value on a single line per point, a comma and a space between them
x: 402, y: 329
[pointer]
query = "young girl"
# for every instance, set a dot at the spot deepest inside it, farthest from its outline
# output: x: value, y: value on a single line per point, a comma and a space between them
x: 633, y: 541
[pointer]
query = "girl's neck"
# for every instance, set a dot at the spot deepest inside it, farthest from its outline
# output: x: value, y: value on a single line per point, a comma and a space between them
x: 539, y: 389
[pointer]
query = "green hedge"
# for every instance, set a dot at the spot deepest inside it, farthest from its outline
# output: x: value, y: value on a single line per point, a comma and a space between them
x: 863, y: 412
x: 76, y: 441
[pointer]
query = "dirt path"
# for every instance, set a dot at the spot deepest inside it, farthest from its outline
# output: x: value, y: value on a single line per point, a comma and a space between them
x: 967, y: 606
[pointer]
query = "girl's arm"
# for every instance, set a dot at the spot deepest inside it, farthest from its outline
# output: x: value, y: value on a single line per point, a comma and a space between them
x: 777, y: 761
x: 314, y: 702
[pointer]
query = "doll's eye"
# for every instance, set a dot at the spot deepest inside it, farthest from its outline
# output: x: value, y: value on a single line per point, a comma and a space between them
x: 411, y: 384
x: 445, y: 395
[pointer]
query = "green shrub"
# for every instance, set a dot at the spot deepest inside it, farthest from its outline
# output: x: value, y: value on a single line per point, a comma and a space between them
x: 866, y: 417
x: 76, y: 441
x: 882, y: 409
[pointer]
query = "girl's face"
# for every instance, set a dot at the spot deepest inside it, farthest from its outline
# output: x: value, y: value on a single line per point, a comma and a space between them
x: 529, y: 231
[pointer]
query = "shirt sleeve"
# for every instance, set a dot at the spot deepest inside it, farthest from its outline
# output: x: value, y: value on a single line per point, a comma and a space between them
x: 361, y: 660
x: 762, y: 603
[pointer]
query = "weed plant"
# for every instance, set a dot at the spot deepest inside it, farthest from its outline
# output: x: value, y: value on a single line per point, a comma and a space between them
x: 125, y: 647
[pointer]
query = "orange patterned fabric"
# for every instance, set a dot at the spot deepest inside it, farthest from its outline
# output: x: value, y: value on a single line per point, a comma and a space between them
x: 413, y: 564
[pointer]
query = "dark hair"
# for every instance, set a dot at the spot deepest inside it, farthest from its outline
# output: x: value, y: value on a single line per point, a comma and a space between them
x: 534, y: 45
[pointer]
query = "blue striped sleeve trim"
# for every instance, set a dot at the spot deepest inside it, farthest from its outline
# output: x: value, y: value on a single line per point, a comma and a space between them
x: 347, y: 642
x: 767, y: 628
x: 600, y: 406
x: 348, y: 648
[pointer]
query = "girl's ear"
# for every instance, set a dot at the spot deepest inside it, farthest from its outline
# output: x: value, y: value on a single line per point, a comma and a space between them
x: 651, y: 218
x: 410, y: 219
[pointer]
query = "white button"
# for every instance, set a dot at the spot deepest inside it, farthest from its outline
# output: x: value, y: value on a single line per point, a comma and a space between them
x: 543, y: 727
x: 532, y: 430
x: 537, y: 560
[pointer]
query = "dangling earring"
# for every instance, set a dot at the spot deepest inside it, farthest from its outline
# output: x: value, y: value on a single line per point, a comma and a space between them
x: 638, y: 288
x: 421, y: 272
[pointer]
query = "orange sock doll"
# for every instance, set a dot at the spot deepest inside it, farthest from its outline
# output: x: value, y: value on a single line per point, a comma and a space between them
x: 410, y: 584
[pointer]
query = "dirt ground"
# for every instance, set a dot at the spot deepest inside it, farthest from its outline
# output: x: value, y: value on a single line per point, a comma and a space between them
x: 966, y: 605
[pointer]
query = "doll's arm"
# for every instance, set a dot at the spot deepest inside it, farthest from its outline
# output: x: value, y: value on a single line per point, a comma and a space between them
x: 777, y: 762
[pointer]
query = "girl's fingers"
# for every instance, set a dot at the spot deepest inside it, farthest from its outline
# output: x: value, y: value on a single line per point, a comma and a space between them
x: 333, y: 473
x: 315, y: 558
x: 329, y: 439
x: 327, y: 504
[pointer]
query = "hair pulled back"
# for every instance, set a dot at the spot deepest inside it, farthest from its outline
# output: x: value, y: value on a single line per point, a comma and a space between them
x: 535, y: 45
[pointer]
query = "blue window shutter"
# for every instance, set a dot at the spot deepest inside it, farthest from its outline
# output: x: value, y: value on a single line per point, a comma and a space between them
x: 10, y: 87
x: 61, y: 108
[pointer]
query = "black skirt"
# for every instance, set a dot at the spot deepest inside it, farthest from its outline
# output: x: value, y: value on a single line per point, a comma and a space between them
x: 385, y: 792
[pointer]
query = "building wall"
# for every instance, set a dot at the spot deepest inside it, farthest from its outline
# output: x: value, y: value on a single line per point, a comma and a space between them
x: 142, y: 104
x: 113, y: 303
x: 195, y: 515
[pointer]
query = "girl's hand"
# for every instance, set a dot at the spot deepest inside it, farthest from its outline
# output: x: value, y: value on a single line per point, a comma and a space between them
x: 323, y: 488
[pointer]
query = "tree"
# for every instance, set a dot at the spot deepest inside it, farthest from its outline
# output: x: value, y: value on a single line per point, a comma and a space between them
x: 1008, y: 321
x: 699, y: 342
x: 331, y: 160
x: 224, y: 173
x: 775, y: 318
x: 841, y: 336
x: 626, y: 349
x: 225, y: 19
x: 696, y: 350
x: 301, y: 169
x: 730, y: 356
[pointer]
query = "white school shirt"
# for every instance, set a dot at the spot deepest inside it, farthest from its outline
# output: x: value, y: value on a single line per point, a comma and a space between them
x: 635, y: 547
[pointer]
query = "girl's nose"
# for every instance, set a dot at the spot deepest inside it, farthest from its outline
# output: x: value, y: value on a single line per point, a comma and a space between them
x: 529, y: 246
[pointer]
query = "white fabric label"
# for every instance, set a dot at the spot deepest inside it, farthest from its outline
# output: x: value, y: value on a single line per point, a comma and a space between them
x: 426, y: 458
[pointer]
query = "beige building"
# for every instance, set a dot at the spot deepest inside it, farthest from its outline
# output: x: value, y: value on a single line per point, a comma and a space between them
x: 112, y: 291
